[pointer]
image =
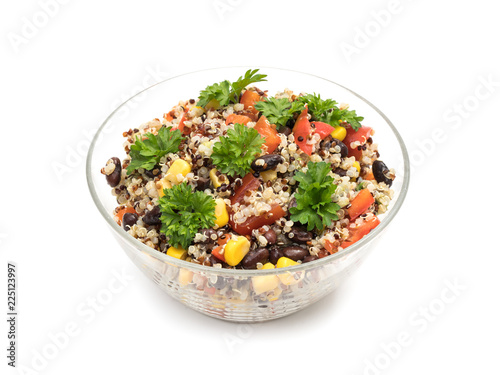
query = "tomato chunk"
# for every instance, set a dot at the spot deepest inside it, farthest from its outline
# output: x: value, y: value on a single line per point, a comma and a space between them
x: 360, y: 203
x: 249, y: 98
x: 361, y: 136
x: 355, y: 234
x: 269, y: 133
x: 322, y: 128
x: 301, y: 131
x: 237, y: 119
x: 249, y: 183
x: 255, y: 222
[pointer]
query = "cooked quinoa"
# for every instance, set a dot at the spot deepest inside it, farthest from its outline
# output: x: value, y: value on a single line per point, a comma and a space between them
x: 138, y: 194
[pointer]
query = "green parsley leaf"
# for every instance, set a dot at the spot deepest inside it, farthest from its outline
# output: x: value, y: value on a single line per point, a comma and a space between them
x: 278, y: 111
x: 147, y: 153
x: 226, y: 92
x: 234, y: 153
x: 326, y: 110
x: 314, y: 197
x: 184, y: 213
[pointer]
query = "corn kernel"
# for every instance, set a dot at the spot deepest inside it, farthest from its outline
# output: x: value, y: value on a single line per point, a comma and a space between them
x: 221, y: 215
x: 236, y: 249
x: 357, y: 166
x: 218, y: 180
x: 185, y: 276
x: 164, y: 184
x: 285, y: 262
x: 269, y: 175
x: 178, y: 167
x: 265, y: 283
x: 177, y: 252
x: 339, y: 133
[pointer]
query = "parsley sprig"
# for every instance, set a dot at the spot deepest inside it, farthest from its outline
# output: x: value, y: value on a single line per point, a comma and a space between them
x: 147, y: 153
x: 278, y: 111
x: 226, y: 92
x: 234, y: 153
x: 326, y: 110
x: 314, y: 197
x: 184, y: 213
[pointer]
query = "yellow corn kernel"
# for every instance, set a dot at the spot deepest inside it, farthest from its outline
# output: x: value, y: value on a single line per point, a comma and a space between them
x: 213, y: 104
x: 339, y: 133
x: 164, y: 184
x: 262, y: 284
x: 357, y: 166
x: 236, y: 249
x: 285, y: 262
x: 178, y: 167
x: 177, y: 252
x: 269, y: 175
x: 185, y: 276
x: 218, y: 180
x: 221, y: 215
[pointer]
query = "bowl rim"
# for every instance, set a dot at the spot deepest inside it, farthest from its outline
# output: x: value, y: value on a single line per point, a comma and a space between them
x: 241, y: 272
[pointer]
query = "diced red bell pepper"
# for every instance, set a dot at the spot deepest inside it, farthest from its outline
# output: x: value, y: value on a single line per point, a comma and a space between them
x: 330, y: 248
x: 355, y: 234
x: 249, y: 183
x: 360, y: 203
x: 301, y: 130
x: 269, y: 133
x: 249, y: 98
x: 361, y: 135
x: 322, y: 128
x: 255, y: 222
x: 237, y: 119
x: 217, y: 252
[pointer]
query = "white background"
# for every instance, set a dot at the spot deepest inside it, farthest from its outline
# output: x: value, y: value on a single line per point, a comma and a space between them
x: 424, y: 66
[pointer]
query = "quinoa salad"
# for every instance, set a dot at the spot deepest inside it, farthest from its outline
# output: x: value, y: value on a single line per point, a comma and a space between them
x: 240, y: 178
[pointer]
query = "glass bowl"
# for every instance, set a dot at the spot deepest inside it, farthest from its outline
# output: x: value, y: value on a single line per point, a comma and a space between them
x: 241, y: 295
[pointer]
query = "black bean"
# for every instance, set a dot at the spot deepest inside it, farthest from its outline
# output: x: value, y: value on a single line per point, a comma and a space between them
x: 295, y: 252
x: 152, y: 217
x: 290, y: 123
x: 285, y: 130
x: 274, y: 254
x: 220, y: 282
x: 113, y: 179
x: 380, y: 171
x: 128, y: 220
x: 253, y: 257
x: 300, y: 234
x: 309, y: 258
x: 330, y: 142
x: 270, y: 161
x: 341, y: 172
x: 270, y: 236
x: 202, y: 183
x: 153, y: 172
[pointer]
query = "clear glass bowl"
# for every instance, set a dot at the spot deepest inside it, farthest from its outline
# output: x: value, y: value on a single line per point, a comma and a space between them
x: 241, y: 295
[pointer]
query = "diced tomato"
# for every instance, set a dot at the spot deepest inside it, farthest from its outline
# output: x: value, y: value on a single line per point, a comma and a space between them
x: 361, y: 136
x: 322, y: 128
x: 169, y: 116
x: 368, y: 175
x: 255, y: 222
x: 249, y: 183
x: 301, y: 130
x: 210, y: 290
x: 237, y: 119
x: 123, y: 211
x: 330, y: 248
x: 269, y: 133
x: 217, y: 252
x: 249, y: 98
x: 360, y: 203
x: 355, y: 234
